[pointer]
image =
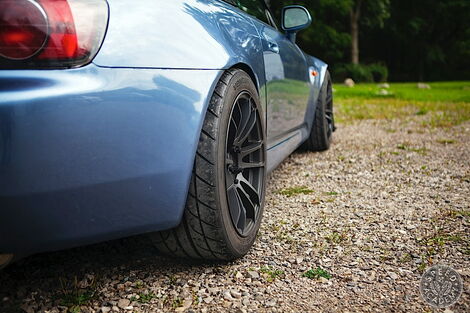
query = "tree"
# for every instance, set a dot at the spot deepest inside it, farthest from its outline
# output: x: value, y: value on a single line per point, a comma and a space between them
x: 375, y: 13
x: 354, y: 15
x: 328, y: 37
x: 415, y: 39
x: 329, y: 18
x: 423, y: 40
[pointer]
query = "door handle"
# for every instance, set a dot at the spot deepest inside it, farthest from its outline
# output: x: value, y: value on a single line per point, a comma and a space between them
x: 273, y: 47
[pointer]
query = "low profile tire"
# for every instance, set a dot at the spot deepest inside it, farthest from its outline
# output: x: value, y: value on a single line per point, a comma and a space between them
x: 226, y: 195
x: 323, y: 123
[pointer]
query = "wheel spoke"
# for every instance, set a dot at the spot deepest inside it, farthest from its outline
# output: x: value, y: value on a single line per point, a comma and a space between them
x: 248, y: 205
x: 244, y: 116
x: 248, y: 165
x: 329, y: 98
x: 234, y: 124
x: 250, y: 190
x: 246, y: 128
x: 235, y: 205
x: 229, y: 177
x: 251, y: 148
x: 244, y: 164
x: 241, y: 223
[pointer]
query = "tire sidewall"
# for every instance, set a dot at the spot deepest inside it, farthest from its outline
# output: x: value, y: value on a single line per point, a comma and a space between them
x: 321, y: 109
x: 324, y: 104
x: 238, y: 245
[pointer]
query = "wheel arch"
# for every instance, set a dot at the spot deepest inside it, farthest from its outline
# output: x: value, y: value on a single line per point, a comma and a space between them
x: 246, y: 68
x: 321, y: 68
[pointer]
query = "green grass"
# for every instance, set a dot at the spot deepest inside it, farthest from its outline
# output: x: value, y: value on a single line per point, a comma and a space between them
x: 293, y: 191
x: 316, y: 273
x: 406, y: 147
x: 336, y: 237
x: 439, y: 92
x: 72, y: 296
x: 270, y: 273
x: 177, y: 303
x: 445, y: 104
x: 332, y: 193
x: 144, y: 297
x: 446, y: 141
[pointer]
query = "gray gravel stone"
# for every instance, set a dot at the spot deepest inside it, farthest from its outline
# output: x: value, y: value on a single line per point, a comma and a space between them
x: 253, y: 274
x: 123, y: 303
x: 388, y: 200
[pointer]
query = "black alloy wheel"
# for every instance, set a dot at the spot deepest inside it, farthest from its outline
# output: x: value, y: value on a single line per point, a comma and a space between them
x: 245, y: 164
x: 323, y: 124
x: 329, y: 116
x: 225, y: 201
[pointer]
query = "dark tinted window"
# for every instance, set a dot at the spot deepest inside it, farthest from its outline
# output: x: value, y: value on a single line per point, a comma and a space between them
x: 232, y: 2
x: 271, y: 19
x: 257, y: 8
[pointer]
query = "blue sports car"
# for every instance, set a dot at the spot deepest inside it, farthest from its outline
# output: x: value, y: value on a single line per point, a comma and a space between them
x: 160, y: 117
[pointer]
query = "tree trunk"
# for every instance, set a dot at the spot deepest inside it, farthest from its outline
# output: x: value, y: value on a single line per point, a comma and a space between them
x: 355, y: 13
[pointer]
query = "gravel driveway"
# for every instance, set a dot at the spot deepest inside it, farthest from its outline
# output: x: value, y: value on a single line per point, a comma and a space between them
x: 366, y: 218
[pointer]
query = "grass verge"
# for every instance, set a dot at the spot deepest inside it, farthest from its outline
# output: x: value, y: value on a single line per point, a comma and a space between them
x: 445, y: 104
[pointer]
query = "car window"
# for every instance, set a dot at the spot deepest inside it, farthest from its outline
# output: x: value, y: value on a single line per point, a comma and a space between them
x: 271, y: 19
x: 256, y: 8
x: 232, y: 2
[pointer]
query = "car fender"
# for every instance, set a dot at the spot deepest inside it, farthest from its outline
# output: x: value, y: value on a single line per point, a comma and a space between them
x: 179, y: 34
x: 318, y: 70
x: 185, y: 35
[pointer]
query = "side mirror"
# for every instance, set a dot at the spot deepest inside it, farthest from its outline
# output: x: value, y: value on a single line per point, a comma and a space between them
x: 295, y: 18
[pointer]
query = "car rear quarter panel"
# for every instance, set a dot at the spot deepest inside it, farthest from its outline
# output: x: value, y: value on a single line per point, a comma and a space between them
x: 106, y: 151
x: 180, y: 34
x: 93, y: 154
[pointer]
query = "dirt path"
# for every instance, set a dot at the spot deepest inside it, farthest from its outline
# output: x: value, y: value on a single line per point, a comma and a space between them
x: 387, y: 201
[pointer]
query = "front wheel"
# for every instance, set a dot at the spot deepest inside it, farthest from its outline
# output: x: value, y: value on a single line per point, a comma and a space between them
x: 323, y: 123
x: 226, y: 196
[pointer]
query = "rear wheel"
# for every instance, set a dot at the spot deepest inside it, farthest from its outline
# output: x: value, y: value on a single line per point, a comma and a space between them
x: 226, y: 196
x: 323, y: 123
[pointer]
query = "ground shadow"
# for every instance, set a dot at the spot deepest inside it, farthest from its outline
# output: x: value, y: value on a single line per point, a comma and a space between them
x: 51, y: 273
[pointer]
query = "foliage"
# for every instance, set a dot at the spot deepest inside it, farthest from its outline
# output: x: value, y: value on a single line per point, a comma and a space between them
x: 439, y: 92
x: 358, y: 72
x: 317, y: 273
x: 445, y: 104
x: 144, y: 297
x: 270, y: 273
x: 73, y: 295
x: 379, y: 72
x: 425, y: 40
x: 416, y: 40
x: 292, y: 191
x: 375, y: 12
x: 328, y: 37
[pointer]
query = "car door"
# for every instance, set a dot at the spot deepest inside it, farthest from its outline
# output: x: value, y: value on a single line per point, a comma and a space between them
x: 288, y: 87
x: 288, y: 84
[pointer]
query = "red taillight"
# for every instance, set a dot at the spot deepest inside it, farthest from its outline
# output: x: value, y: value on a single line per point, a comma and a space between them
x: 50, y: 33
x: 62, y: 43
x: 23, y: 29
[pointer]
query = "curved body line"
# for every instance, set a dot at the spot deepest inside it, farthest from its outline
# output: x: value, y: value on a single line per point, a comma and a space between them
x: 106, y: 150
